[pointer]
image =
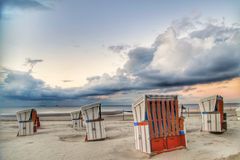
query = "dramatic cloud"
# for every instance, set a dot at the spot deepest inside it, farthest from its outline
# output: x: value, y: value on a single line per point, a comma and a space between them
x: 31, y: 63
x: 189, y: 52
x: 23, y: 86
x: 139, y: 59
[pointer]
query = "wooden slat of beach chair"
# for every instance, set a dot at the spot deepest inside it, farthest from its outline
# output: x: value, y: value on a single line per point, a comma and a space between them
x: 140, y: 112
x: 168, y: 118
x: 173, y: 118
x: 143, y: 138
x: 150, y: 120
x: 136, y: 129
x: 148, y: 140
x: 220, y: 109
x: 155, y: 119
x: 143, y: 111
x: 137, y: 113
x: 177, y: 117
x: 159, y: 110
x: 164, y: 119
x: 93, y: 113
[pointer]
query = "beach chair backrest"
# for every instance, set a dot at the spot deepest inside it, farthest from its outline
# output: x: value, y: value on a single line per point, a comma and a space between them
x: 164, y: 109
x: 76, y: 114
x: 208, y: 104
x: 24, y: 115
x: 91, y: 111
x: 139, y: 110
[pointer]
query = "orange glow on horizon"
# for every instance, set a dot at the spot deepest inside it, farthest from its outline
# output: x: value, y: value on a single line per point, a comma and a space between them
x: 230, y: 90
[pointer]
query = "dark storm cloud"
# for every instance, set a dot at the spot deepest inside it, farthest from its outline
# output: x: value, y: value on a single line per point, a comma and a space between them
x: 23, y: 86
x: 139, y: 59
x: 221, y: 61
x: 209, y: 54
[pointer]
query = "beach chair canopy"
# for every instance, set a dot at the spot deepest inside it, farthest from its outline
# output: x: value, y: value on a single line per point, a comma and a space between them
x: 139, y: 103
x: 25, y: 115
x: 91, y: 111
x: 209, y: 104
x: 76, y: 114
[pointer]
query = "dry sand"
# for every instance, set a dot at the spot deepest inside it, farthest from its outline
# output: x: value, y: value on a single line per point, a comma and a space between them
x: 56, y: 140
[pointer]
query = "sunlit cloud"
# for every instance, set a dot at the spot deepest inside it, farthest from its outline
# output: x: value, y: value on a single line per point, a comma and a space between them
x: 190, y: 52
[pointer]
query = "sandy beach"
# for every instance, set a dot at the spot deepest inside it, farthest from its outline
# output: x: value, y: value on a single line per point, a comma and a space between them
x: 119, y: 80
x: 56, y: 140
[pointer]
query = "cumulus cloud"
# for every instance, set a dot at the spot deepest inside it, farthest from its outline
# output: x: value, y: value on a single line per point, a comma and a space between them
x: 23, y: 86
x: 138, y: 59
x: 189, y: 52
x: 31, y: 63
x: 181, y: 56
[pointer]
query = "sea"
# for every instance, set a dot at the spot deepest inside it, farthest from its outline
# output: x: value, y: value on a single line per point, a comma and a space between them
x: 105, y: 108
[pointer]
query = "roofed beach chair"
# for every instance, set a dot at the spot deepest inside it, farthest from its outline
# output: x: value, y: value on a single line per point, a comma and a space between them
x: 158, y: 127
x: 77, y: 120
x: 95, y: 129
x: 213, y: 117
x: 28, y: 122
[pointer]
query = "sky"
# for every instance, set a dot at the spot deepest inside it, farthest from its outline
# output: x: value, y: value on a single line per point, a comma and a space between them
x: 72, y: 52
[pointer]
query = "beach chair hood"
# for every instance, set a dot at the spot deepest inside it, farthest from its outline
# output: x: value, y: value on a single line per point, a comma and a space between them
x: 25, y: 115
x: 76, y: 114
x: 91, y: 111
x: 208, y: 104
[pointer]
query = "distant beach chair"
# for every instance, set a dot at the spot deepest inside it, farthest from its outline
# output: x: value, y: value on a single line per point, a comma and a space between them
x: 95, y: 129
x: 77, y: 120
x: 213, y: 118
x: 28, y: 122
x: 183, y: 109
x: 238, y: 113
x: 157, y: 125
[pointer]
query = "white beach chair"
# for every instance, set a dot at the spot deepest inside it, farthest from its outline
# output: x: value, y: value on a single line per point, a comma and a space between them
x: 95, y: 129
x: 213, y: 118
x: 28, y: 122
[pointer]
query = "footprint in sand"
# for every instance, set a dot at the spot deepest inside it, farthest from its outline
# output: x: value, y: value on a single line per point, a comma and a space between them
x: 71, y: 138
